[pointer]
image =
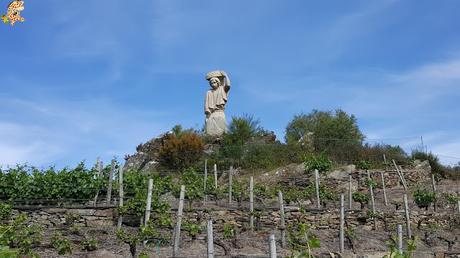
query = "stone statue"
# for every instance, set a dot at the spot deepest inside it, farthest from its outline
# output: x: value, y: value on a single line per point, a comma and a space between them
x: 215, y: 101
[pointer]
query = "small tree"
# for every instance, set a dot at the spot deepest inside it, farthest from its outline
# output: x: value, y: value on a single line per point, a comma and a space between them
x: 337, y: 134
x: 319, y: 162
x: 242, y: 129
x: 362, y: 198
x: 424, y: 198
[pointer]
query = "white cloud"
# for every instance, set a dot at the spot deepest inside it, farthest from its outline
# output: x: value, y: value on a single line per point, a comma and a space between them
x: 49, y: 131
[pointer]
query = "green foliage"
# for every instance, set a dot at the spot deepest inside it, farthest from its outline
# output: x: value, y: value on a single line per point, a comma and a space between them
x: 90, y: 244
x: 131, y: 239
x: 451, y: 199
x: 6, y: 252
x: 193, y: 185
x: 370, y: 214
x: 373, y: 154
x: 19, y: 234
x: 248, y: 145
x: 5, y: 211
x: 181, y: 149
x: 242, y: 129
x: 29, y: 183
x: 336, y: 134
x: 259, y: 155
x: 240, y: 189
x: 71, y: 218
x: 363, y: 164
x: 229, y: 231
x: 423, y: 198
x: 135, y: 187
x: 193, y: 228
x: 394, y: 253
x: 350, y: 233
x: 61, y: 244
x: 302, y: 240
x: 360, y: 197
x: 319, y: 162
x: 326, y: 193
x: 371, y: 182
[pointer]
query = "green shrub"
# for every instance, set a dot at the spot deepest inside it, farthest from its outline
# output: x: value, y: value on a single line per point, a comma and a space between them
x: 363, y: 164
x: 335, y: 134
x: 193, y: 185
x: 61, y: 244
x: 241, y: 130
x: 229, y: 231
x: 5, y: 211
x: 90, y: 244
x: 71, y: 218
x: 394, y: 253
x: 424, y: 198
x: 135, y: 187
x: 19, y: 234
x: 302, y: 240
x: 374, y: 155
x: 193, y: 228
x: 319, y: 162
x: 371, y: 183
x: 360, y: 197
x: 131, y: 239
x: 6, y: 252
x: 451, y: 199
x: 29, y: 183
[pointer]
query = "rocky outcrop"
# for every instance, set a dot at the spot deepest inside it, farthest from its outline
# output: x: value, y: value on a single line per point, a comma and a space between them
x: 146, y: 157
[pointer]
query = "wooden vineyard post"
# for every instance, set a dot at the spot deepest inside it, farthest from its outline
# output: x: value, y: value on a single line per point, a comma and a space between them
x: 272, y: 244
x: 109, y: 189
x: 283, y: 222
x: 99, y: 166
x: 350, y: 193
x: 400, y: 239
x: 230, y: 178
x: 205, y: 180
x: 179, y: 221
x: 385, y: 199
x: 318, y: 201
x: 371, y: 190
x: 401, y: 176
x: 406, y: 210
x: 458, y: 206
x: 251, y: 202
x: 342, y: 224
x: 215, y: 175
x: 433, y: 184
x: 210, y: 240
x: 148, y: 206
x: 120, y: 190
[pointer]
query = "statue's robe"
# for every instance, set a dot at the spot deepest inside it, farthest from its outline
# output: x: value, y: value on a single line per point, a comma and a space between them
x: 214, y: 109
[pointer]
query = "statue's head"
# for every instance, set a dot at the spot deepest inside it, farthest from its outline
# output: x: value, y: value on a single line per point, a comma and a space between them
x: 214, y: 82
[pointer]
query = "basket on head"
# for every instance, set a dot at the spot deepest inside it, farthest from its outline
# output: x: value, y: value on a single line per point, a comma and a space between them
x: 213, y: 74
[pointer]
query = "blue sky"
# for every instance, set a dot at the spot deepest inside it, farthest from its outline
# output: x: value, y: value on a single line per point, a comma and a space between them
x: 82, y: 79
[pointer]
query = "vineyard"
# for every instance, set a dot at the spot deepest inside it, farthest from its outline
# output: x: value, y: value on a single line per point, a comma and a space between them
x: 301, y: 210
